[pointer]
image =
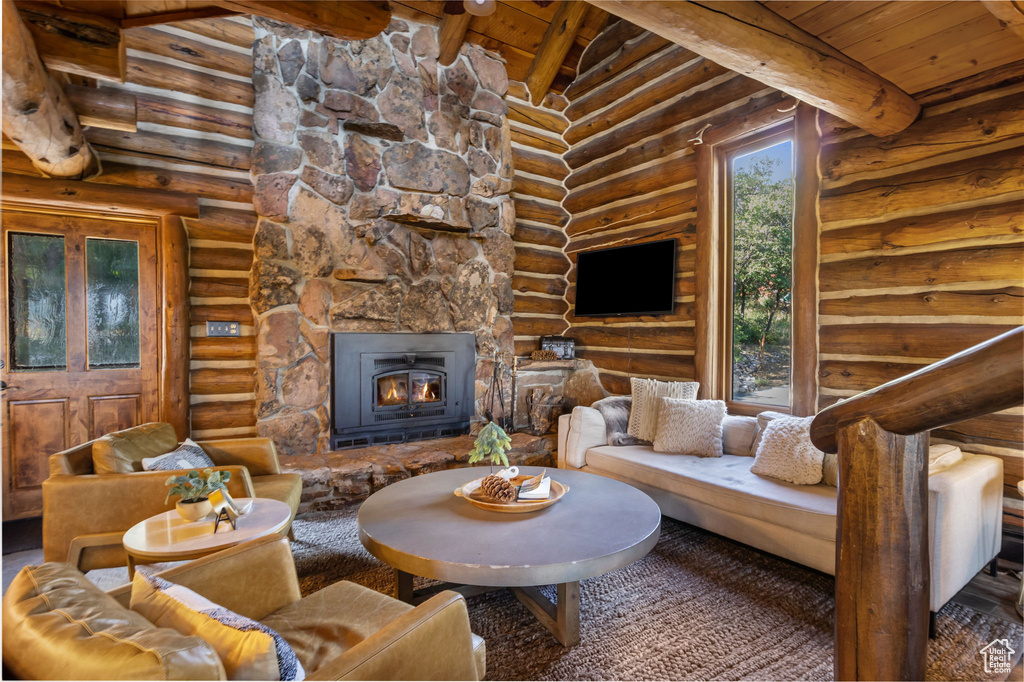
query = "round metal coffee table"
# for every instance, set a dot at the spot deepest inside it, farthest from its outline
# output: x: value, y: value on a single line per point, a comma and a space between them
x: 419, y: 527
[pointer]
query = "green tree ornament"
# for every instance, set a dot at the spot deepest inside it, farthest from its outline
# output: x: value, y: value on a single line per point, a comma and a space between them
x: 492, y: 443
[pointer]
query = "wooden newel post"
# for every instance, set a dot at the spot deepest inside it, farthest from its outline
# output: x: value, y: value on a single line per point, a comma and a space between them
x: 882, y: 567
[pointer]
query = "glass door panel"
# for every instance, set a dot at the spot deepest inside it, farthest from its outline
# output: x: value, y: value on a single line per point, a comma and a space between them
x: 38, y: 314
x: 112, y: 298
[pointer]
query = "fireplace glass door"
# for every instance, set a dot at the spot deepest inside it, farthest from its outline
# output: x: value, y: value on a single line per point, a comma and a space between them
x: 408, y: 388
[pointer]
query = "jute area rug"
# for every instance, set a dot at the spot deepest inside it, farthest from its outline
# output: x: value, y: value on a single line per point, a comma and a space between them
x: 698, y: 607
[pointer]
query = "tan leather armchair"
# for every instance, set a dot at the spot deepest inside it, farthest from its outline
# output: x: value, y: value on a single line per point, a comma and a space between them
x: 342, y: 632
x: 85, y: 514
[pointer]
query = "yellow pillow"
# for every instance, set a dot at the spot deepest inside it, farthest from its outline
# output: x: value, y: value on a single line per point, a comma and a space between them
x: 248, y: 649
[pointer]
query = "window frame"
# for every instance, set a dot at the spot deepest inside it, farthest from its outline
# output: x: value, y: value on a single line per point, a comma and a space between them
x: 714, y: 261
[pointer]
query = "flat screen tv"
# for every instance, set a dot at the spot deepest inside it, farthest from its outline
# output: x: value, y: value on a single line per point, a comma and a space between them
x: 627, y: 280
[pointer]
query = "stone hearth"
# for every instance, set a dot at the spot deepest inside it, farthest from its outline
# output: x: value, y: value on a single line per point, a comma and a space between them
x: 336, y: 479
x: 382, y: 184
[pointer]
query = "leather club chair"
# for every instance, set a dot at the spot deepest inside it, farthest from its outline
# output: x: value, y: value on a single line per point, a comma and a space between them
x: 58, y: 625
x: 85, y: 513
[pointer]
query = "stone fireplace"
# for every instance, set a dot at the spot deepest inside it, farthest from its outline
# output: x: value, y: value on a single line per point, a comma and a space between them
x: 381, y: 180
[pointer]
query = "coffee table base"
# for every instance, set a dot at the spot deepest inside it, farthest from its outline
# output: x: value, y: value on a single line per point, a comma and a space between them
x: 562, y: 619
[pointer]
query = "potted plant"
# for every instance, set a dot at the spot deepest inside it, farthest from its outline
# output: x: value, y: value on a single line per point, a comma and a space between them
x: 194, y: 490
x: 491, y: 443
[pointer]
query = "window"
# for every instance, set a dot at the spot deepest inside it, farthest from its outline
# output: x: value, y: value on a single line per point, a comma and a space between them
x: 112, y: 298
x: 37, y: 302
x: 757, y: 245
x: 760, y: 237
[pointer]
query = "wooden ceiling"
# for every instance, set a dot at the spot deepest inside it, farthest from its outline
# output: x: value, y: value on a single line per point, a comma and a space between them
x: 515, y: 31
x: 916, y: 45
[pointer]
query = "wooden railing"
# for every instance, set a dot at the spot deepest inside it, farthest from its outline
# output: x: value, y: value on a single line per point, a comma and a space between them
x: 882, y: 553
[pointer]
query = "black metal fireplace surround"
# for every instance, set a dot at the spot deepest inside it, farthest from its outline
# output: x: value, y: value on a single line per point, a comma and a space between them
x: 394, y: 388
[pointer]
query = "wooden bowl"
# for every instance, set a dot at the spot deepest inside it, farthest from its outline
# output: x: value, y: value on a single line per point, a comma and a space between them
x: 472, y: 493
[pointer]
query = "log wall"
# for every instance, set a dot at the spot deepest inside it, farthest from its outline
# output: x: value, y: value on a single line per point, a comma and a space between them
x: 921, y: 233
x: 922, y: 251
x: 539, y: 282
x: 634, y: 179
x: 193, y: 85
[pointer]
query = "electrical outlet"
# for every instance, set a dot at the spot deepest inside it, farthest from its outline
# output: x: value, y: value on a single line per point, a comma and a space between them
x: 223, y: 329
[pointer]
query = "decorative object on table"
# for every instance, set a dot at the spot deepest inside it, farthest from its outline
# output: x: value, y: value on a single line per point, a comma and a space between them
x: 536, y: 488
x: 545, y: 407
x: 194, y: 489
x: 226, y: 508
x: 473, y: 493
x: 491, y: 443
x: 543, y: 355
x: 498, y: 488
x: 563, y: 346
x: 225, y: 514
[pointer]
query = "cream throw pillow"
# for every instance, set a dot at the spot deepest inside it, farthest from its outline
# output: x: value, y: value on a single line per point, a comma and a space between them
x: 643, y: 415
x: 248, y: 649
x: 786, y: 452
x: 690, y: 427
x: 941, y: 456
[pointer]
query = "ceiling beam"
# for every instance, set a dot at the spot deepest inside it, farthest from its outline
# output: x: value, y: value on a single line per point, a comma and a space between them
x: 555, y: 45
x: 343, y: 19
x: 76, y: 42
x: 452, y: 34
x: 750, y: 39
x: 37, y: 114
x: 1010, y: 13
x: 92, y: 196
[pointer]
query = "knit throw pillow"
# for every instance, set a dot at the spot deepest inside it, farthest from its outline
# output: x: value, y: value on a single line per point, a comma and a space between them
x: 643, y: 417
x: 248, y: 649
x: 690, y: 427
x: 615, y: 411
x: 786, y: 452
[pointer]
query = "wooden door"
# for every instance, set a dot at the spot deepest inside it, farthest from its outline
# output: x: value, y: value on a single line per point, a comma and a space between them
x: 81, y: 339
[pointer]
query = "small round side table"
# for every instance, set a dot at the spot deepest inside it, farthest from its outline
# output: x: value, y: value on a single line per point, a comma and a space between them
x: 168, y: 537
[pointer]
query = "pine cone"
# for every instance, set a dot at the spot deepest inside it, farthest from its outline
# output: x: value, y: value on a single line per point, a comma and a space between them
x: 498, y: 488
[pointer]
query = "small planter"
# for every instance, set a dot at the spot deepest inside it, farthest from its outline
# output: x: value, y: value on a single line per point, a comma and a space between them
x: 194, y: 510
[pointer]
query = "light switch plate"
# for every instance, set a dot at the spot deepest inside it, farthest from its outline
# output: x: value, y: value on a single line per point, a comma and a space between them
x: 223, y: 329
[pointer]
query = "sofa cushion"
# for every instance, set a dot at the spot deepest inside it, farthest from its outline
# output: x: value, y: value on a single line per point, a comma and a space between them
x: 739, y: 434
x: 248, y: 649
x: 786, y: 452
x: 58, y: 625
x: 724, y: 483
x: 647, y: 393
x: 941, y: 456
x: 690, y: 427
x: 122, y: 452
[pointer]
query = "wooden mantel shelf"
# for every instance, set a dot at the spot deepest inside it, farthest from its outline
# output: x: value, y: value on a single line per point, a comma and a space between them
x: 528, y: 365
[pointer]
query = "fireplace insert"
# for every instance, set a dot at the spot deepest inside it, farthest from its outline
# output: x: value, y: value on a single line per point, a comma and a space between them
x: 393, y: 388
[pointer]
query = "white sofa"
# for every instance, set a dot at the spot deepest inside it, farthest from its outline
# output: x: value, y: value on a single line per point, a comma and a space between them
x: 797, y: 522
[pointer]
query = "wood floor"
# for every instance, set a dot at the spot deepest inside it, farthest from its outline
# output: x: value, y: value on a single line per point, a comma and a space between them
x: 996, y: 596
